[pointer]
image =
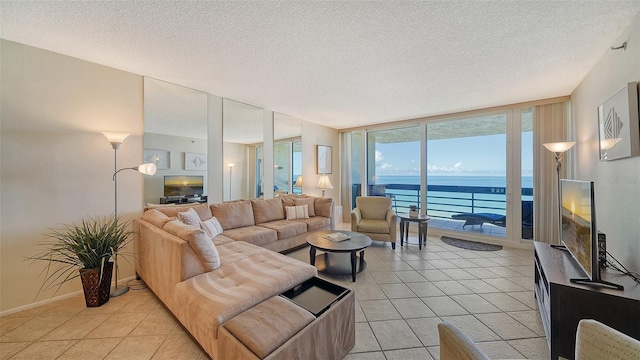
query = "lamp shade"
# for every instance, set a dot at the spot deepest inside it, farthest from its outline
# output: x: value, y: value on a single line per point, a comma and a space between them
x: 559, y: 147
x: 115, y: 138
x: 298, y: 182
x: 324, y: 183
x: 607, y: 144
x: 147, y: 169
x: 230, y: 165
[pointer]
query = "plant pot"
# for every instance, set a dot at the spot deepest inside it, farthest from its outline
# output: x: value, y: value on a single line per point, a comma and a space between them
x: 96, y: 291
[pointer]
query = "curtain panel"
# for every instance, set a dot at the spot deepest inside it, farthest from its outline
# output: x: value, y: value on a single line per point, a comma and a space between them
x: 550, y: 125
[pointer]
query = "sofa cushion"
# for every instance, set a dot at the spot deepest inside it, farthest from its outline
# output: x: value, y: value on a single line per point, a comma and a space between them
x: 373, y: 226
x: 285, y: 228
x: 256, y: 235
x: 189, y: 217
x: 202, y: 209
x: 238, y: 286
x: 156, y: 218
x: 309, y: 201
x: 322, y: 206
x: 212, y: 227
x: 267, y: 210
x: 316, y: 223
x: 198, y: 240
x: 234, y: 214
x: 266, y: 326
x: 287, y: 200
x: 297, y: 212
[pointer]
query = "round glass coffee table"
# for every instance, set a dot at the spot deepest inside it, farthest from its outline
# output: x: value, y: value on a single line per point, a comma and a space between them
x: 339, y: 258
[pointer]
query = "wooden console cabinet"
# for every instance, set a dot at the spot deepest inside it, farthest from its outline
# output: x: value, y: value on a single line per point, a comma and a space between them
x: 563, y: 304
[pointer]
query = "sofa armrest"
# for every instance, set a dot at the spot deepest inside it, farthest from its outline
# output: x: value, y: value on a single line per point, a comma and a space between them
x: 163, y: 260
x: 356, y: 216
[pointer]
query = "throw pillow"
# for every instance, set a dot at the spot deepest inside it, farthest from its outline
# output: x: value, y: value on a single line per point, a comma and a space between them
x: 198, y: 240
x: 297, y: 212
x: 212, y: 227
x: 190, y: 217
x: 309, y: 201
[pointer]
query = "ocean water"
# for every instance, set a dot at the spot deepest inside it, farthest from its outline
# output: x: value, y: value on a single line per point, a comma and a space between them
x: 493, y: 181
x: 444, y: 204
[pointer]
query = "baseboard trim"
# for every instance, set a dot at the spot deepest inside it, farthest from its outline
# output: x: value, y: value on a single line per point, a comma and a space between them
x: 54, y: 299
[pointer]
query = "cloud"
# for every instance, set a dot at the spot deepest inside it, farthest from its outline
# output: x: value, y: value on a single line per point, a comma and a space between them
x: 457, y: 165
x: 456, y: 168
x: 379, y: 156
x: 386, y: 166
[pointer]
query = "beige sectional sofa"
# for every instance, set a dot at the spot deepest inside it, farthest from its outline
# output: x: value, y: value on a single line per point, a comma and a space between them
x: 235, y: 311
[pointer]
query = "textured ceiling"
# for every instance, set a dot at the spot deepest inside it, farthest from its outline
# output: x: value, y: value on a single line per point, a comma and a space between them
x: 338, y: 63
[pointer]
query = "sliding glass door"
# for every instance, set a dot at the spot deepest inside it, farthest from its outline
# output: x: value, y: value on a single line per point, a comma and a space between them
x: 466, y: 174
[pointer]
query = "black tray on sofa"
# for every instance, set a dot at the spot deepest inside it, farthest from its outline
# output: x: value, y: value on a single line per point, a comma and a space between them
x: 316, y: 295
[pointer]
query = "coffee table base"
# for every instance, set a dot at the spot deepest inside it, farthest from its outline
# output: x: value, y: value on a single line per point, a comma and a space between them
x: 339, y: 264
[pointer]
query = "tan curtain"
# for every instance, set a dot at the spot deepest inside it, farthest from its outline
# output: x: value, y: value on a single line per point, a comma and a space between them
x: 550, y: 125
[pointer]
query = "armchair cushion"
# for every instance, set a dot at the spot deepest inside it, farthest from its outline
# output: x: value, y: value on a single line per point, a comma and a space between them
x: 373, y: 226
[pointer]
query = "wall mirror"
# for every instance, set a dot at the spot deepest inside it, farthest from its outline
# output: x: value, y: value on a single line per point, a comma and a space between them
x: 287, y: 154
x: 242, y: 150
x: 175, y: 139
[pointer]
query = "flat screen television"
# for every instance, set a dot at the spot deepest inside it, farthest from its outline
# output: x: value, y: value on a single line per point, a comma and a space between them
x: 579, y: 231
x: 183, y: 185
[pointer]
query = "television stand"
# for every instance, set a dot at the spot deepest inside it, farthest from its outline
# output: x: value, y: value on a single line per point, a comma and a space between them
x: 563, y: 303
x: 587, y: 281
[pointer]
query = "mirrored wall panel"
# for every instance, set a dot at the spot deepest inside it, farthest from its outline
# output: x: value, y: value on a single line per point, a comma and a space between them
x: 287, y: 154
x: 175, y: 139
x: 242, y: 135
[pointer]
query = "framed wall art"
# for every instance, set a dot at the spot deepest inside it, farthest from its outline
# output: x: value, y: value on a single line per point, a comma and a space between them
x: 195, y: 161
x: 323, y: 156
x: 619, y: 125
x: 162, y: 158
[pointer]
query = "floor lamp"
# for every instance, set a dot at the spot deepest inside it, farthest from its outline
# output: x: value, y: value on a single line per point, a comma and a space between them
x: 230, y: 173
x: 116, y: 139
x: 558, y: 149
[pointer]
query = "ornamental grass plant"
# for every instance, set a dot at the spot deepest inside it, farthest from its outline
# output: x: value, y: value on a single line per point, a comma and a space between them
x: 88, y: 245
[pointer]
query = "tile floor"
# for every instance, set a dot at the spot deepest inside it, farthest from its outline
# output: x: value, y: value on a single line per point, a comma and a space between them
x: 401, y: 297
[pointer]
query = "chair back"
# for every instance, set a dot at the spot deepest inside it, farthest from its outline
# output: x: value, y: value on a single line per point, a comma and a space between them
x: 595, y: 340
x: 373, y: 207
x: 454, y: 344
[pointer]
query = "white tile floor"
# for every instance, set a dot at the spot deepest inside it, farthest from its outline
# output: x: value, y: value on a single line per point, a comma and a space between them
x: 401, y: 297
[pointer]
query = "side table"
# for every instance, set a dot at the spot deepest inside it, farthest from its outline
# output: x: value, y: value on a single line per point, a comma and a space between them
x: 422, y: 220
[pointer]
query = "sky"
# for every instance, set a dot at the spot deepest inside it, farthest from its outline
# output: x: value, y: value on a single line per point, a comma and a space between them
x: 469, y: 156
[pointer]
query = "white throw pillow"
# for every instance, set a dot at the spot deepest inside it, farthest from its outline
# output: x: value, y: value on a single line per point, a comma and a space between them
x: 212, y: 227
x: 190, y: 217
x: 297, y: 212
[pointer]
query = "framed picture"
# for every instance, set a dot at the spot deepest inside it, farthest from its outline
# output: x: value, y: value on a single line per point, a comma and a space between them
x: 323, y: 157
x: 162, y: 158
x: 195, y: 161
x: 618, y: 125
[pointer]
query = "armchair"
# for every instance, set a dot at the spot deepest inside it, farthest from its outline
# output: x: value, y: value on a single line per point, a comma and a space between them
x: 374, y: 217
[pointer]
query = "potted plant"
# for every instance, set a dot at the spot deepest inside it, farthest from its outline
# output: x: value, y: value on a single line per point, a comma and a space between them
x: 86, y: 247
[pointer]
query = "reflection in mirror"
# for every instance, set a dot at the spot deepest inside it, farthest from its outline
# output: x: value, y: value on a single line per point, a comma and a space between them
x: 175, y: 139
x: 287, y: 154
x: 242, y: 137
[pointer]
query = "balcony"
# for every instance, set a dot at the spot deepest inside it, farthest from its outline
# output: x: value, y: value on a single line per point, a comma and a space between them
x: 446, y: 200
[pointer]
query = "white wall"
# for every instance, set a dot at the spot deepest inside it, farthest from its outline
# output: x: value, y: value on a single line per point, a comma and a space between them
x: 617, y: 183
x: 56, y: 166
x: 177, y: 145
x: 236, y: 154
x: 312, y: 135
